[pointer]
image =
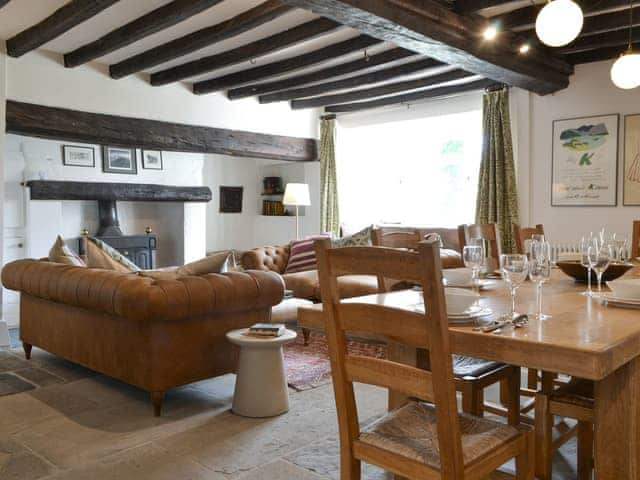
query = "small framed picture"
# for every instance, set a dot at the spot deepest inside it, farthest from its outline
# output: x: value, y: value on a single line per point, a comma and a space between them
x: 119, y: 160
x: 231, y: 199
x: 75, y: 156
x: 152, y: 159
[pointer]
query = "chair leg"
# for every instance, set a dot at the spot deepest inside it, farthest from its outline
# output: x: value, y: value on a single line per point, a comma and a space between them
x: 306, y: 334
x: 27, y: 350
x: 585, y: 450
x: 532, y: 379
x: 543, y: 438
x: 156, y: 400
x: 525, y: 462
x: 472, y: 399
x: 513, y: 396
x: 504, y: 392
x: 349, y: 466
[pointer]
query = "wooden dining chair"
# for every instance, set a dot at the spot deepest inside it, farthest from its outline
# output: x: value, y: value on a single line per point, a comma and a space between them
x: 417, y: 440
x: 635, y: 239
x: 488, y: 232
x: 571, y: 400
x: 472, y: 375
x: 522, y: 234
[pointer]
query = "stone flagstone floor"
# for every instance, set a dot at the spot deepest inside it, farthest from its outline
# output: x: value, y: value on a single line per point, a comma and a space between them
x: 75, y: 424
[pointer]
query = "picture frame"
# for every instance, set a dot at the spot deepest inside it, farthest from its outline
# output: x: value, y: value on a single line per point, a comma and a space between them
x: 78, y: 156
x: 584, y: 161
x: 152, y: 160
x: 231, y: 199
x: 119, y: 160
x: 631, y: 163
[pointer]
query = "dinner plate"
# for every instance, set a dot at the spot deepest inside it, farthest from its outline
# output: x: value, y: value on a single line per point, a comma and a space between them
x: 483, y: 284
x: 471, y: 314
x: 607, y: 297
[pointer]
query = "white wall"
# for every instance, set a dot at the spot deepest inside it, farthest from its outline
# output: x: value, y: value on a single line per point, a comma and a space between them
x: 591, y: 93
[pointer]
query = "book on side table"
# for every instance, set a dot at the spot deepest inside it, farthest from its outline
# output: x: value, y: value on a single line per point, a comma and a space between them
x: 266, y: 330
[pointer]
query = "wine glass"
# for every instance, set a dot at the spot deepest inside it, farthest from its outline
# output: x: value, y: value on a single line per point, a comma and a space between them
x: 619, y: 244
x: 585, y: 244
x: 473, y: 257
x: 515, y: 268
x: 540, y: 271
x: 599, y: 260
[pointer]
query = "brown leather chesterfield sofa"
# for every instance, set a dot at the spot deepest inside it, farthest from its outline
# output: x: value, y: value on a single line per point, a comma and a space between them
x: 154, y: 334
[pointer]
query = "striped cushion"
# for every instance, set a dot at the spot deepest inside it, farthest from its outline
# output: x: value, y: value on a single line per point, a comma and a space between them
x: 302, y: 256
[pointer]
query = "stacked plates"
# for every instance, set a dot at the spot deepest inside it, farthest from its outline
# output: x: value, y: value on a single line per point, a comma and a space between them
x: 610, y: 300
x: 472, y: 313
x: 483, y: 284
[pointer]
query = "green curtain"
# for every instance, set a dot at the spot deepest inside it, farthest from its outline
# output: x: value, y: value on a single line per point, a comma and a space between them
x: 329, y: 215
x: 497, y: 190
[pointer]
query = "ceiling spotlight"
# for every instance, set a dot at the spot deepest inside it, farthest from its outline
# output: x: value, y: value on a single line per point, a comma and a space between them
x: 490, y: 33
x: 559, y: 23
x: 524, y: 48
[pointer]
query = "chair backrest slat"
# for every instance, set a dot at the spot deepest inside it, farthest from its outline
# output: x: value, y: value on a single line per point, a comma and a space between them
x: 374, y: 261
x: 522, y: 234
x: 400, y: 378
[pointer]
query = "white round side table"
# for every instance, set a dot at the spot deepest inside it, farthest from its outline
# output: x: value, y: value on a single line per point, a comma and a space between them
x: 261, y: 383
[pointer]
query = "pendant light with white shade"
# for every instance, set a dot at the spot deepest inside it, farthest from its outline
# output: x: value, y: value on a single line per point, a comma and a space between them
x: 559, y: 22
x: 625, y: 72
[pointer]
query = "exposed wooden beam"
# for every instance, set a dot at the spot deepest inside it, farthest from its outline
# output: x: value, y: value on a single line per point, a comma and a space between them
x: 471, y: 6
x: 602, y: 40
x: 597, y: 55
x: 382, y: 75
x: 320, y: 75
x: 3, y: 3
x: 75, y: 126
x: 179, y: 47
x: 59, y: 22
x: 287, y: 65
x: 428, y: 27
x: 154, y: 21
x: 250, y: 51
x: 411, y: 97
x: 383, y: 90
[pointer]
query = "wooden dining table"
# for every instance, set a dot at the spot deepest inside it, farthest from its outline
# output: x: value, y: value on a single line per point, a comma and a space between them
x: 583, y: 338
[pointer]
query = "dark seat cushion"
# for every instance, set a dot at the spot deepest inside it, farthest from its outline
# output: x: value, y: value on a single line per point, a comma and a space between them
x: 472, y: 367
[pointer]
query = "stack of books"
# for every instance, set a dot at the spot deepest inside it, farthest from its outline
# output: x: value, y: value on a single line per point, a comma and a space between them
x: 266, y: 330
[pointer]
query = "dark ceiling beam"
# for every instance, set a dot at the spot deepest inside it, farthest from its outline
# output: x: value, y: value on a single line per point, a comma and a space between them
x: 364, y: 63
x: 597, y: 55
x: 411, y: 97
x: 618, y: 39
x: 148, y: 24
x: 3, y: 3
x: 431, y: 29
x: 95, y: 128
x: 383, y: 90
x: 382, y: 75
x: 287, y: 65
x: 59, y: 22
x: 192, y: 42
x: 281, y: 40
x: 471, y: 6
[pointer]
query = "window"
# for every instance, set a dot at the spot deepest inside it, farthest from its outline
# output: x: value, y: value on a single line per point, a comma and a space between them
x: 419, y: 172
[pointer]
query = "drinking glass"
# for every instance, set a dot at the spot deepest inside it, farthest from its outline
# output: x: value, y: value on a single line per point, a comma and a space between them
x: 540, y: 271
x: 585, y: 244
x: 515, y: 268
x: 599, y: 260
x: 473, y: 257
x: 619, y: 244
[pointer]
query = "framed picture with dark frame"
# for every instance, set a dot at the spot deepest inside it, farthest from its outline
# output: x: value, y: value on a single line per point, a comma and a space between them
x: 631, y: 164
x: 119, y: 160
x: 152, y: 159
x: 231, y: 199
x: 584, y: 166
x: 77, y: 156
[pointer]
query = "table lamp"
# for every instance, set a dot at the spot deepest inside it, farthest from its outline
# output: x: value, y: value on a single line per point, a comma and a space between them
x: 297, y: 195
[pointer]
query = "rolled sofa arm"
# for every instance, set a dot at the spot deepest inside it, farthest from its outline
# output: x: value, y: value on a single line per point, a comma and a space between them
x: 140, y: 298
x: 272, y: 259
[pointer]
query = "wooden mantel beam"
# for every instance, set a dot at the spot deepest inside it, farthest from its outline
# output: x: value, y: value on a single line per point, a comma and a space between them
x: 75, y: 126
x: 429, y: 28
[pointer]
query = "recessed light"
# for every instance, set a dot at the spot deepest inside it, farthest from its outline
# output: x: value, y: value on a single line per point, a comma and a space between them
x: 524, y: 48
x: 490, y: 33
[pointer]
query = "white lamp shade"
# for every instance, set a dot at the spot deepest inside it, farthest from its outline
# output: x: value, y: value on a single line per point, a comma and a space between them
x: 296, y: 194
x: 625, y: 72
x: 559, y: 23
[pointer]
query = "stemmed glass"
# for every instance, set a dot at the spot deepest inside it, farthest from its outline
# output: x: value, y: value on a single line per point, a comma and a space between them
x: 599, y: 260
x: 619, y: 245
x: 473, y: 257
x: 540, y: 271
x: 585, y: 244
x: 515, y: 268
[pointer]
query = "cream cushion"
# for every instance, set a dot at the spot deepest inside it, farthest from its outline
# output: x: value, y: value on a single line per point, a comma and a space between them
x: 61, y: 253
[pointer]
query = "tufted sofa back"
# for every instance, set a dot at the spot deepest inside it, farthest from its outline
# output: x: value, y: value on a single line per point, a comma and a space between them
x: 269, y: 258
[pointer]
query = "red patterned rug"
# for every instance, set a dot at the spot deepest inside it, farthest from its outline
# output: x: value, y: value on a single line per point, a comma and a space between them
x: 309, y: 367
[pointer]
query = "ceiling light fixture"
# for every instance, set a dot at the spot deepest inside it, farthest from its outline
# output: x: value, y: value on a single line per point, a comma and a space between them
x: 490, y: 33
x: 559, y: 22
x: 625, y: 72
x: 524, y: 48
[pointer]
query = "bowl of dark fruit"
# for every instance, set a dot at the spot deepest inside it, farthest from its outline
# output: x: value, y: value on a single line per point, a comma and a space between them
x: 574, y: 269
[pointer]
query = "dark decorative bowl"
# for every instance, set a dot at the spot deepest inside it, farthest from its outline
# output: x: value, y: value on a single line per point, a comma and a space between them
x: 579, y: 273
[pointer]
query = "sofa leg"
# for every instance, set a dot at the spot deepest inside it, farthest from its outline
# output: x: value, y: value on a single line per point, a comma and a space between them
x: 306, y: 334
x: 156, y: 400
x: 27, y: 350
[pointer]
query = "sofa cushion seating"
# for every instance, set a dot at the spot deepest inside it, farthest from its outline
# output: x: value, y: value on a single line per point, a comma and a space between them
x: 306, y: 285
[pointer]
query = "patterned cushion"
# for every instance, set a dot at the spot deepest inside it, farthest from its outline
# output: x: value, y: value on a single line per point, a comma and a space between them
x: 101, y: 255
x: 359, y: 239
x: 411, y: 431
x: 302, y: 256
x: 61, y: 253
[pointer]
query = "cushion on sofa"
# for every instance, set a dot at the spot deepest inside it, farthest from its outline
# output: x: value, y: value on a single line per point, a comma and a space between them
x: 61, y: 253
x: 358, y: 239
x: 451, y: 258
x: 101, y: 255
x: 302, y: 255
x: 216, y: 263
x: 306, y: 285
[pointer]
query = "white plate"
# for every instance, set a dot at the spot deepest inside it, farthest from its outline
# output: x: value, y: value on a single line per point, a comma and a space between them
x: 474, y: 312
x: 483, y: 284
x: 610, y: 298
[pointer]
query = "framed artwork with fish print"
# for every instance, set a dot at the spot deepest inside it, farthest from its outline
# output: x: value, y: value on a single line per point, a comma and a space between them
x: 584, y: 166
x: 631, y: 172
